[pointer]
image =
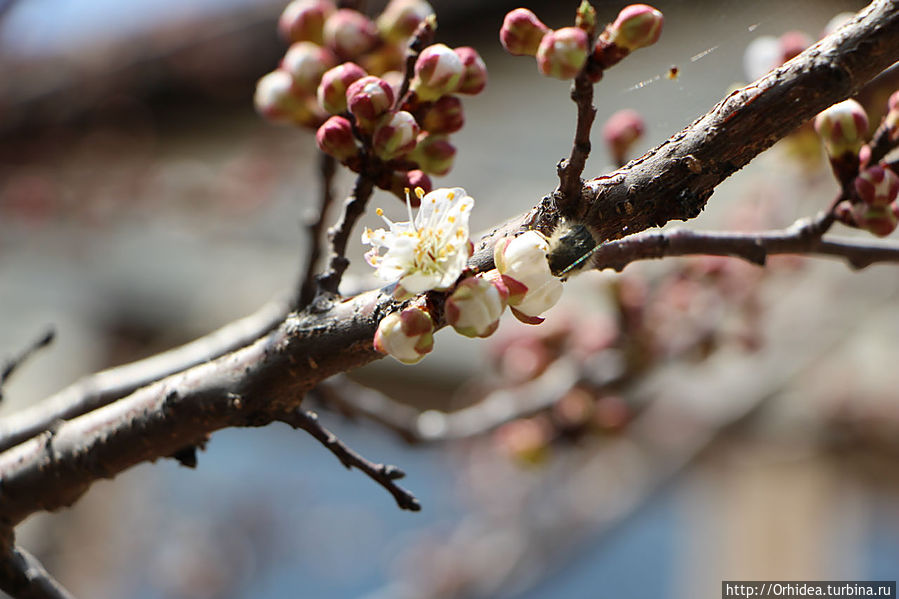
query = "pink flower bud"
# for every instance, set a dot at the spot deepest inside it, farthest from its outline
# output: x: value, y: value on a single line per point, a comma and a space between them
x: 438, y: 72
x: 637, y: 26
x: 475, y: 306
x: 394, y: 135
x: 333, y: 86
x: 400, y: 19
x: 525, y: 440
x: 621, y: 131
x: 369, y: 98
x: 303, y: 20
x: 434, y: 154
x: 842, y: 128
x: 474, y: 74
x: 406, y: 335
x: 521, y: 32
x: 279, y: 101
x: 402, y: 182
x: 892, y: 118
x: 562, y: 53
x: 444, y: 116
x: 349, y: 34
x: 792, y: 43
x: 306, y: 63
x: 335, y: 137
x: 877, y: 186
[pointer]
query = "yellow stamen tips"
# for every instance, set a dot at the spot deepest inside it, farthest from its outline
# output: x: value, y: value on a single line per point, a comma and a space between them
x: 419, y: 192
x: 450, y: 196
x: 379, y: 212
x: 451, y: 219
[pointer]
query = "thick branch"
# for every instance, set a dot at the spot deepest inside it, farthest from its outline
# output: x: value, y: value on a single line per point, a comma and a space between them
x: 258, y: 383
x: 104, y: 387
x: 23, y: 577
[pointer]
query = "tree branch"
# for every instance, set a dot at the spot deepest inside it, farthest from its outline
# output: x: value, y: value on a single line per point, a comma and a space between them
x: 23, y: 577
x: 327, y: 167
x: 258, y: 383
x: 382, y: 474
x: 13, y: 363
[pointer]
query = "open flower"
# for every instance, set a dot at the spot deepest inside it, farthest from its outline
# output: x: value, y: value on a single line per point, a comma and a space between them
x: 428, y: 252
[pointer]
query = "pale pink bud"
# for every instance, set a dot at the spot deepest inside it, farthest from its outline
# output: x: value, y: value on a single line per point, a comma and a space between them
x: 523, y: 259
x: 434, y: 154
x: 349, y: 34
x: 562, y: 53
x: 842, y: 128
x: 837, y: 21
x: 333, y: 86
x: 877, y: 186
x: 892, y: 117
x: 525, y: 440
x: 369, y: 98
x: 792, y: 43
x: 402, y: 182
x: 474, y: 74
x: 475, y: 306
x: 303, y: 20
x: 279, y: 101
x: 620, y: 133
x: 522, y: 32
x: 879, y: 220
x: 444, y: 116
x: 307, y: 62
x: 637, y: 26
x: 401, y: 18
x: 395, y: 135
x: 335, y: 137
x: 438, y: 71
x: 407, y: 336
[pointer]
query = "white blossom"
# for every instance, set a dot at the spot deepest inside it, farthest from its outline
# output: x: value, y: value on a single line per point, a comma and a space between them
x: 523, y: 259
x: 429, y: 251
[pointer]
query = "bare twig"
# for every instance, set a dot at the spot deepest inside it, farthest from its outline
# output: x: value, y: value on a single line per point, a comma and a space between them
x: 752, y: 247
x: 13, y: 363
x: 422, y: 38
x: 23, y: 577
x: 382, y: 474
x: 570, y: 170
x: 104, y: 387
x: 882, y: 142
x: 327, y: 168
x: 339, y: 234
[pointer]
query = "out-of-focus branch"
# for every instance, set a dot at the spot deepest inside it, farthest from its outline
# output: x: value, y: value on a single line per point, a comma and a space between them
x: 104, y: 387
x: 23, y: 577
x: 13, y: 363
x: 383, y: 474
x: 327, y: 168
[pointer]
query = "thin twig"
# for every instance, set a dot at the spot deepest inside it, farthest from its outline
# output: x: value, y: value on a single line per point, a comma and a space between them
x: 570, y: 170
x: 13, y: 363
x: 882, y: 143
x: 23, y: 577
x: 422, y: 38
x: 383, y: 474
x: 327, y: 167
x: 339, y: 234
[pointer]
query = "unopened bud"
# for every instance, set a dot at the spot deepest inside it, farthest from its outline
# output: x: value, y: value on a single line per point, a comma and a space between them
x: 349, y: 34
x: 400, y: 19
x: 395, y: 135
x: 474, y: 71
x: 434, y: 154
x: 522, y: 32
x: 279, y: 101
x: 444, y: 116
x: 586, y: 17
x: 523, y: 260
x: 891, y: 120
x: 407, y: 336
x: 401, y: 182
x: 842, y: 128
x: 475, y: 307
x: 620, y: 133
x: 304, y: 20
x: 438, y: 71
x: 792, y: 43
x: 335, y: 137
x: 562, y: 53
x: 333, y: 86
x: 307, y: 62
x: 637, y: 26
x: 368, y: 99
x: 878, y: 188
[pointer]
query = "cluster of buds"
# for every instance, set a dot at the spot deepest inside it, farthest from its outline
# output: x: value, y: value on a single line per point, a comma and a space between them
x: 621, y: 132
x: 430, y: 252
x: 870, y: 188
x: 342, y: 77
x: 563, y: 53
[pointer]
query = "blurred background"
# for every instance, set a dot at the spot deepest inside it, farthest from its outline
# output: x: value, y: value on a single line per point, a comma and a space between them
x: 686, y: 422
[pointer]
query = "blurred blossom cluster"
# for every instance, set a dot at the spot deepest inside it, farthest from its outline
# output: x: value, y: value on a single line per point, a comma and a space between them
x: 345, y: 77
